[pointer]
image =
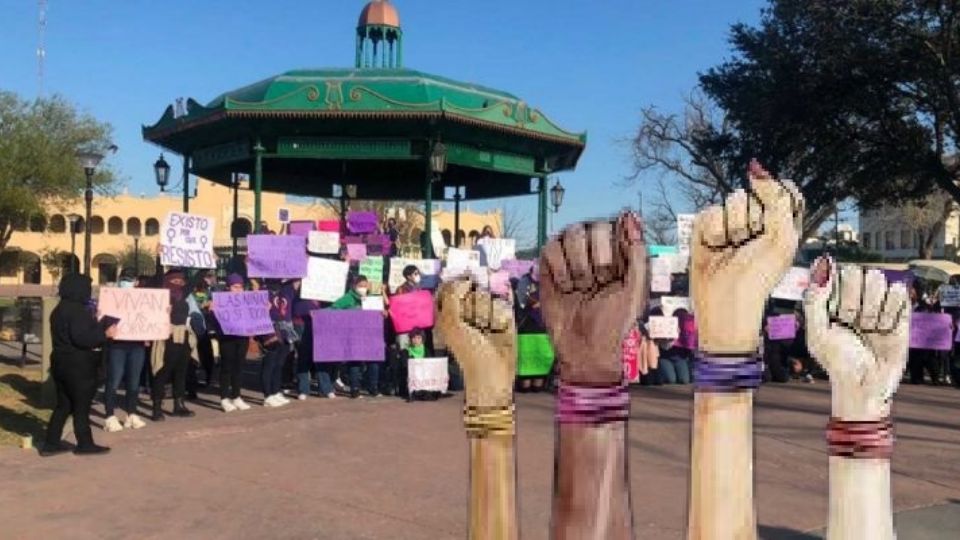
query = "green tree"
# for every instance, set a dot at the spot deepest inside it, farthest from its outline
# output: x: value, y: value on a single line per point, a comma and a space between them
x: 130, y: 257
x: 38, y: 142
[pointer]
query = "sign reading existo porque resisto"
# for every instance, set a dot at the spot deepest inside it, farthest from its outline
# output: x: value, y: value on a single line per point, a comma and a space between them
x: 186, y: 240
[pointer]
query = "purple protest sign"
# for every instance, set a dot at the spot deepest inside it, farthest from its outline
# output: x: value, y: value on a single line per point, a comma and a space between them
x: 342, y: 335
x: 904, y: 276
x: 377, y: 242
x: 301, y: 228
x: 931, y: 331
x: 517, y: 268
x: 362, y: 222
x: 782, y: 327
x: 271, y: 256
x: 356, y: 252
x: 688, y: 332
x: 243, y: 313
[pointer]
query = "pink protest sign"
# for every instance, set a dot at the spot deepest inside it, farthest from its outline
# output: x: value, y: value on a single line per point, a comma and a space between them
x: 328, y: 225
x: 515, y: 267
x: 356, y: 252
x: 688, y: 332
x: 631, y: 350
x: 362, y: 222
x: 411, y: 310
x: 782, y: 327
x: 142, y: 312
x: 500, y: 282
x: 931, y: 331
x: 301, y: 228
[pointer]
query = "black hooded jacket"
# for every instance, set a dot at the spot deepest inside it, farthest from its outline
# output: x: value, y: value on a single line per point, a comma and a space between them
x: 73, y: 328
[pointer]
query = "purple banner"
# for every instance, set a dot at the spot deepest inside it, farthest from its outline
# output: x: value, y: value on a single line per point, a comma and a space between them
x: 243, y: 313
x: 271, y: 256
x: 344, y: 335
x: 301, y: 228
x: 931, y: 331
x: 516, y: 268
x: 782, y: 327
x: 904, y: 276
x: 362, y: 222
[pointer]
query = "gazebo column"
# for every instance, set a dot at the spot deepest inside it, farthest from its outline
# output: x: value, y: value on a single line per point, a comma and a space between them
x: 257, y: 183
x: 542, y: 213
x: 456, y: 217
x: 427, y: 246
x: 186, y: 183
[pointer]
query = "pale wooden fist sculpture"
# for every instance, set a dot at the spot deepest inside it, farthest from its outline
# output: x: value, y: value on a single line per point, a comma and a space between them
x: 593, y: 285
x: 480, y: 331
x: 858, y: 328
x: 739, y: 251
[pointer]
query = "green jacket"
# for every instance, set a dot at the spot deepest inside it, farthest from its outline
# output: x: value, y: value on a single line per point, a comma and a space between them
x: 351, y: 300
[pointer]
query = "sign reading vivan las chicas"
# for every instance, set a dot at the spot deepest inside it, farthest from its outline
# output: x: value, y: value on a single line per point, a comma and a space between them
x: 186, y: 240
x: 143, y: 313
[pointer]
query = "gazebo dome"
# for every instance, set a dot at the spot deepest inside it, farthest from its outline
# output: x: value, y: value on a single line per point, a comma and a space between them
x: 379, y: 13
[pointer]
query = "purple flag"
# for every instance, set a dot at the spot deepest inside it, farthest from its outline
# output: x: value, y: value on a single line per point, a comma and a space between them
x: 362, y: 222
x: 344, y: 335
x: 243, y: 313
x: 931, y: 331
x: 271, y: 256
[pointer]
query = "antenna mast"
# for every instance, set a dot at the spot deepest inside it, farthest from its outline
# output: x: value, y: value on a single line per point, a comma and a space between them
x: 41, y: 44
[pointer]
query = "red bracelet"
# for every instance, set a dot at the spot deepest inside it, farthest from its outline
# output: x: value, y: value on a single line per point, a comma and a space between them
x: 860, y: 440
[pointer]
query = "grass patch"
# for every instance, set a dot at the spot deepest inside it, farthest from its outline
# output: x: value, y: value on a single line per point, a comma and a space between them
x: 20, y: 410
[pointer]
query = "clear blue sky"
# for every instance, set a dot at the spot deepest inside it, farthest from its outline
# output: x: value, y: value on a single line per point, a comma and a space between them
x: 588, y: 65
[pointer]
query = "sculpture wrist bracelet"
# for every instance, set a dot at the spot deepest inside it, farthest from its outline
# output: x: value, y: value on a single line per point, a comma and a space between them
x: 733, y: 374
x: 860, y: 440
x: 592, y: 404
x: 483, y: 422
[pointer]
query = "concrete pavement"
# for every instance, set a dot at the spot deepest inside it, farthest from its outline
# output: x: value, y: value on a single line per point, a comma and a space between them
x: 383, y: 468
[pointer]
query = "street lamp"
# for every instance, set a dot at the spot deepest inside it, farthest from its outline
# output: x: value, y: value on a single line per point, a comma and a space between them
x: 438, y: 159
x: 556, y: 196
x: 74, y: 219
x: 457, y: 197
x: 89, y: 159
x: 136, y: 253
x: 161, y: 171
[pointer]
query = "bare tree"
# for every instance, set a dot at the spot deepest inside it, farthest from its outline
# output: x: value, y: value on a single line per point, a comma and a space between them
x: 516, y: 225
x: 925, y: 220
x: 409, y: 215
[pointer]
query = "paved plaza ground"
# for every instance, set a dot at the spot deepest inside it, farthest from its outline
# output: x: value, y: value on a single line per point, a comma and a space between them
x: 383, y: 468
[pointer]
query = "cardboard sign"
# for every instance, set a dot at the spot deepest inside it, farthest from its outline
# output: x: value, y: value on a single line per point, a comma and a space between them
x: 373, y: 303
x: 326, y: 280
x: 243, y: 313
x: 516, y: 268
x: 949, y: 296
x: 495, y: 250
x: 679, y: 263
x: 356, y: 252
x: 362, y: 222
x: 283, y: 215
x: 535, y: 355
x: 301, y: 228
x: 329, y: 225
x: 143, y: 313
x: 186, y: 240
x: 347, y: 335
x: 670, y: 304
x: 463, y: 258
x: 372, y: 269
x: 931, y: 331
x: 684, y: 232
x: 793, y: 284
x: 378, y: 244
x: 323, y: 242
x: 688, y: 332
x: 630, y: 351
x: 500, y: 282
x: 660, y: 268
x: 411, y: 310
x: 429, y: 268
x: 782, y: 327
x: 428, y: 374
x: 661, y: 327
x: 272, y: 256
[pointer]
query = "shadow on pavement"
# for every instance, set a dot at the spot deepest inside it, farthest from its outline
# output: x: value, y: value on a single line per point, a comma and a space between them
x: 780, y: 533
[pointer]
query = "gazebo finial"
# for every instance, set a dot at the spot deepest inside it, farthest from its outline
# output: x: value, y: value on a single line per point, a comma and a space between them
x: 379, y: 36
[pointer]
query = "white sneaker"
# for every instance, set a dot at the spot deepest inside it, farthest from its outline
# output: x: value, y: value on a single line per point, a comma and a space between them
x: 331, y: 395
x: 227, y: 405
x: 338, y: 384
x: 240, y: 404
x: 112, y: 425
x: 134, y: 422
x: 271, y: 401
x: 302, y: 397
x: 280, y: 399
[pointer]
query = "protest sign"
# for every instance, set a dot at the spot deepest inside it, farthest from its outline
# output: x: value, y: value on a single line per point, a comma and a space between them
x: 463, y: 258
x: 679, y: 263
x: 630, y: 350
x: 656, y: 251
x: 782, y: 327
x: 362, y: 222
x: 372, y: 268
x: 495, y: 250
x: 428, y: 374
x: 373, y: 303
x: 479, y: 275
x: 535, y: 355
x: 660, y: 274
x: 347, y: 335
x: 411, y: 310
x: 436, y: 238
x: 516, y: 268
x: 792, y: 285
x: 326, y: 280
x: 688, y: 332
x: 684, y: 232
x: 323, y: 242
x: 356, y: 252
x: 186, y: 240
x: 429, y: 270
x: 500, y: 282
x: 143, y: 313
x: 903, y: 276
x: 243, y: 313
x: 283, y: 215
x: 377, y: 244
x: 272, y: 256
x: 329, y: 225
x: 301, y: 227
x: 931, y: 331
x: 949, y: 296
x: 661, y: 327
x: 670, y: 304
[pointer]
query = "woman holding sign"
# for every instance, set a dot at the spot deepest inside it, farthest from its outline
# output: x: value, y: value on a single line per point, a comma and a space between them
x: 233, y: 355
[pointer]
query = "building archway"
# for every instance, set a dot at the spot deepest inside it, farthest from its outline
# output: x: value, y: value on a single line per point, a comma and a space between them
x: 151, y: 227
x: 38, y: 224
x: 133, y: 227
x: 447, y: 238
x: 68, y: 263
x: 242, y: 228
x: 58, y: 224
x: 106, y: 268
x: 96, y: 225
x: 461, y: 238
x: 115, y: 225
x: 30, y: 266
x: 474, y: 235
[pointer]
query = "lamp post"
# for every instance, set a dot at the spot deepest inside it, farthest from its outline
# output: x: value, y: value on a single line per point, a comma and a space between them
x: 457, y: 197
x: 161, y: 172
x: 89, y: 160
x: 438, y: 166
x: 556, y: 199
x: 136, y: 254
x: 74, y: 219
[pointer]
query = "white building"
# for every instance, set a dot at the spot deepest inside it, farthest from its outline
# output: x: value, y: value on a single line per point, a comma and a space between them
x: 895, y: 231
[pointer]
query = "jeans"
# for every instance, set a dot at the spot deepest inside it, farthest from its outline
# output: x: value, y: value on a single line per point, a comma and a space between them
x: 124, y: 360
x: 233, y: 356
x: 271, y: 368
x: 326, y: 373
x: 674, y: 370
x: 372, y: 376
x: 304, y: 366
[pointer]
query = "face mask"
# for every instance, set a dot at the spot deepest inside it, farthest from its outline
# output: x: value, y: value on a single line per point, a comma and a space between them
x: 416, y: 278
x: 126, y: 284
x: 362, y: 291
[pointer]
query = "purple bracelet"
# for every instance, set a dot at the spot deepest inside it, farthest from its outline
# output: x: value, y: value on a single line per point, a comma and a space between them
x: 733, y: 375
x: 592, y: 404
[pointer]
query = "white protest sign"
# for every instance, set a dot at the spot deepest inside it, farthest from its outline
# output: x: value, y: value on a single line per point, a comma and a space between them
x: 684, y: 231
x: 436, y: 238
x: 949, y: 296
x: 663, y: 327
x: 792, y: 285
x: 463, y: 258
x: 427, y: 267
x: 671, y: 304
x: 325, y: 242
x: 326, y: 280
x: 186, y: 240
x: 496, y: 250
x: 428, y: 374
x: 144, y: 313
x: 660, y: 268
x: 373, y: 303
x: 679, y: 263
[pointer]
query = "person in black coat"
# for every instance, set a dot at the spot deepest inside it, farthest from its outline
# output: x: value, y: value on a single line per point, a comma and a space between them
x: 76, y: 334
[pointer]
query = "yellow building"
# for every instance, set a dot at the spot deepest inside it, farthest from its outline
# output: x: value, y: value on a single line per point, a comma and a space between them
x: 117, y: 221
